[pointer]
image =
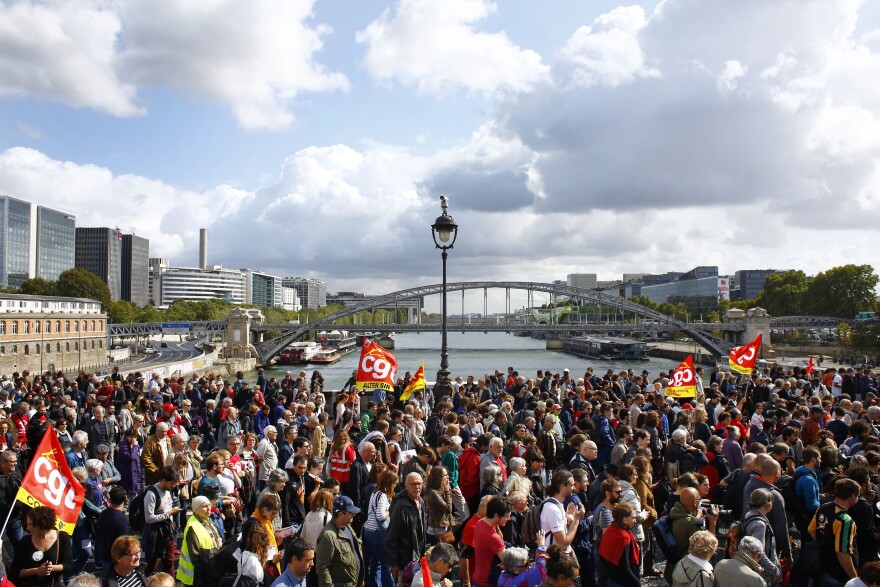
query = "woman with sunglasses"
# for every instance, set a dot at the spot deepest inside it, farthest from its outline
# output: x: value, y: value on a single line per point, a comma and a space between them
x: 517, y: 572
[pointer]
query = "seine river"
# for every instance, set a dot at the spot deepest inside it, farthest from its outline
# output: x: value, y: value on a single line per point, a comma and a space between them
x: 472, y: 354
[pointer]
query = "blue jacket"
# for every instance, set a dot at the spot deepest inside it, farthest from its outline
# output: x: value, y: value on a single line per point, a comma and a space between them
x: 806, y: 486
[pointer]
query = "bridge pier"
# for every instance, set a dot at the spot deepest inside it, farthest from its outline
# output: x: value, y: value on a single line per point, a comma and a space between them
x: 238, y: 333
x: 553, y: 344
x: 755, y: 321
x: 386, y: 342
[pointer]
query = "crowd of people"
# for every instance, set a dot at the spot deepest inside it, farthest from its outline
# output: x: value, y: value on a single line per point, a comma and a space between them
x: 509, y: 480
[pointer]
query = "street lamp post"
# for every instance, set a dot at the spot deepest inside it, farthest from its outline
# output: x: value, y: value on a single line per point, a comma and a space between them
x: 444, y: 231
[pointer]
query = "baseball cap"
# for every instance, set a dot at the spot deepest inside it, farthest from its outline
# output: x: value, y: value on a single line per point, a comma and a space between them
x: 555, y: 407
x: 102, y: 449
x: 168, y: 408
x: 687, y: 406
x: 343, y: 503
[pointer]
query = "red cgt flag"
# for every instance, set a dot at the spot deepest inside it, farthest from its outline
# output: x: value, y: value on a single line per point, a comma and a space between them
x: 742, y: 358
x: 683, y: 382
x: 50, y: 483
x: 377, y: 368
x: 810, y: 365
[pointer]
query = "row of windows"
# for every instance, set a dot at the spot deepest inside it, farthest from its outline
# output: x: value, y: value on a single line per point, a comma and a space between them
x: 26, y: 349
x: 96, y: 326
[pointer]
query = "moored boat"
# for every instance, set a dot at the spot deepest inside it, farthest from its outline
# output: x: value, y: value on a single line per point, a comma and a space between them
x: 325, y: 357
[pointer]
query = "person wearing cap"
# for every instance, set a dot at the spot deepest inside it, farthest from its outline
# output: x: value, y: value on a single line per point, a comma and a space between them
x: 339, y: 559
x: 814, y: 424
x: 110, y: 475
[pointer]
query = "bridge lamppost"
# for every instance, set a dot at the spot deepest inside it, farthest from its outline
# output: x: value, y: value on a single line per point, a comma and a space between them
x: 444, y: 230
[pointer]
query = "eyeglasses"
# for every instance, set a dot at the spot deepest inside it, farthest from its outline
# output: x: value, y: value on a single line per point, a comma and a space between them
x: 137, y: 554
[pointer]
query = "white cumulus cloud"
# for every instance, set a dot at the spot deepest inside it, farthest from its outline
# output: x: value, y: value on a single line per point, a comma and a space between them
x: 436, y: 46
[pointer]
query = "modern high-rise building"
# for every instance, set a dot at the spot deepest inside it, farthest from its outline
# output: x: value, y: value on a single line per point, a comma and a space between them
x: 700, y: 288
x: 749, y: 283
x: 157, y: 266
x: 186, y: 283
x: 99, y: 251
x: 412, y: 306
x: 135, y: 269
x: 582, y: 280
x: 312, y: 292
x: 289, y: 299
x: 34, y: 242
x: 262, y: 289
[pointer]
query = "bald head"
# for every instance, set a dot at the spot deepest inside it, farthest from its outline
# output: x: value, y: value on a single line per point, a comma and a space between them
x: 690, y: 498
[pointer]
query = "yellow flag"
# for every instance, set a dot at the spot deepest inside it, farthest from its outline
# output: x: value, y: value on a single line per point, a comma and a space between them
x: 416, y: 383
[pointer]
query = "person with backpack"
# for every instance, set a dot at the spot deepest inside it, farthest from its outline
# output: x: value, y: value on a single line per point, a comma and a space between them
x: 559, y: 523
x: 488, y: 543
x: 686, y: 518
x: 834, y: 533
x: 756, y: 524
x: 158, y: 529
x: 770, y: 471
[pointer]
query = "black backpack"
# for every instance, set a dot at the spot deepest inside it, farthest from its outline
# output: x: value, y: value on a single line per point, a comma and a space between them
x: 794, y: 503
x: 137, y: 517
x: 532, y: 522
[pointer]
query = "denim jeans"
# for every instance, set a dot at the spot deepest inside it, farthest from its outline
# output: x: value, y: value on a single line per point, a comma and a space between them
x: 378, y: 571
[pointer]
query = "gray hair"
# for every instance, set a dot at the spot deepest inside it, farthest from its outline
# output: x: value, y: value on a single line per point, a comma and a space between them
x: 489, y: 473
x: 750, y: 545
x: 84, y: 580
x: 94, y: 465
x: 759, y: 498
x: 679, y: 434
x: 749, y: 459
x: 495, y: 441
x: 276, y: 475
x: 162, y: 426
x: 514, y: 558
x: 516, y: 463
x: 444, y: 552
x: 177, y: 437
x: 80, y: 438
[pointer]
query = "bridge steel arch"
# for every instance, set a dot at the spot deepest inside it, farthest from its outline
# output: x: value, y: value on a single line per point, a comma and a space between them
x: 716, y: 346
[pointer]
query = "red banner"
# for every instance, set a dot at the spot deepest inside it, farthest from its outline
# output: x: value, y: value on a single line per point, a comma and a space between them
x: 682, y: 381
x: 50, y: 483
x: 742, y: 358
x: 810, y: 365
x: 377, y: 368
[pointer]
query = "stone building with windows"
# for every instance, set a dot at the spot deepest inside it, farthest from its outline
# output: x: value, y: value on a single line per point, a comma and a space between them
x: 43, y: 333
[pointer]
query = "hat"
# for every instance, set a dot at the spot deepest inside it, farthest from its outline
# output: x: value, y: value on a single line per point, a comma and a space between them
x: 611, y: 469
x: 645, y: 372
x: 817, y: 410
x: 168, y: 408
x: 555, y: 407
x: 687, y: 406
x: 565, y: 370
x: 102, y: 449
x: 343, y: 503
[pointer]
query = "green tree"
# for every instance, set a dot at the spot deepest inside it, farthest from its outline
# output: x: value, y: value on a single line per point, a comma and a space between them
x: 38, y: 287
x: 79, y: 283
x: 842, y: 291
x: 783, y: 293
x: 122, y: 312
x: 647, y: 302
x: 149, y: 314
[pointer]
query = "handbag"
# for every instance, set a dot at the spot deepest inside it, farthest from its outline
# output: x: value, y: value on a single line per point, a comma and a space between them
x: 447, y: 537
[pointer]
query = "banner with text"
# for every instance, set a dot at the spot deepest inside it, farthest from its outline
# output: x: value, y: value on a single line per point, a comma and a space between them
x: 415, y: 384
x: 682, y: 381
x: 742, y: 358
x: 377, y: 368
x: 50, y: 483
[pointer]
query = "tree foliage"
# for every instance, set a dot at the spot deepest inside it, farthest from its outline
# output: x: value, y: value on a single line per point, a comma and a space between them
x: 842, y: 291
x: 38, y: 287
x: 79, y: 283
x: 783, y: 293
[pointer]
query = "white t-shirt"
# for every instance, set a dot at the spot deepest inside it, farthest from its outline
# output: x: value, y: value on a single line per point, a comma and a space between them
x: 553, y: 520
x: 837, y: 385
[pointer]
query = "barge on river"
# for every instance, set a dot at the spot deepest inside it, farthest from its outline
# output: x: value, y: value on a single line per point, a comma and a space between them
x: 606, y: 348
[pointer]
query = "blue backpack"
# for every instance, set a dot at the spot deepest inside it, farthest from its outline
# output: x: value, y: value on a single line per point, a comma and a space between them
x: 666, y: 539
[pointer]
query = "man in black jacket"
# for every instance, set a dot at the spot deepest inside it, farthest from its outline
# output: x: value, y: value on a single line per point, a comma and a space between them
x: 359, y: 474
x: 405, y: 541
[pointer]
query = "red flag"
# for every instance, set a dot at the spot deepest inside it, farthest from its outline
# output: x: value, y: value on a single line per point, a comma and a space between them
x: 377, y: 368
x: 426, y: 572
x: 50, y: 483
x: 742, y: 358
x: 683, y: 382
x: 810, y: 365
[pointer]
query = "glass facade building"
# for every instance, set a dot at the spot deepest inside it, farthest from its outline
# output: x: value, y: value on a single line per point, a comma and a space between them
x: 135, y: 269
x: 56, y: 243
x: 34, y: 242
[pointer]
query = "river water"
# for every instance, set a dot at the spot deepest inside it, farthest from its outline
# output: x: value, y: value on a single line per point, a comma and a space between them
x: 474, y: 354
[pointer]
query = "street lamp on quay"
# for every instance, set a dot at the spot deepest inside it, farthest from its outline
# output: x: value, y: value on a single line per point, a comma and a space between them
x: 444, y: 230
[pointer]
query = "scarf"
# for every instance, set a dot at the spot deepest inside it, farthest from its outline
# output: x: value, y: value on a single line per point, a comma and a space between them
x: 613, y: 543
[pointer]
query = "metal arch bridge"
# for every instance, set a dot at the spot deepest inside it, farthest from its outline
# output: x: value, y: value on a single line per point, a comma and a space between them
x: 717, y: 346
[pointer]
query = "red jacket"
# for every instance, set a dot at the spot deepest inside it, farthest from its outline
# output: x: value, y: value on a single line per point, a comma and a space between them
x: 469, y: 472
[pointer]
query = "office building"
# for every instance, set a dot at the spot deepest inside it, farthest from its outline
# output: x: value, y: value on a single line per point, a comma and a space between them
x: 47, y: 333
x: 582, y: 280
x: 262, y: 289
x: 192, y: 284
x: 34, y: 242
x: 749, y: 283
x: 135, y: 269
x: 99, y: 251
x: 632, y: 277
x: 312, y: 292
x: 289, y: 299
x: 699, y: 288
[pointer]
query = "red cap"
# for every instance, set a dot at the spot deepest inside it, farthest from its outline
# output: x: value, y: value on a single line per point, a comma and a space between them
x: 168, y: 408
x: 555, y: 407
x: 687, y: 407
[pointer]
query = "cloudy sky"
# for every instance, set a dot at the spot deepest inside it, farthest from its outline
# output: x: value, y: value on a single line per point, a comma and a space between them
x: 315, y: 137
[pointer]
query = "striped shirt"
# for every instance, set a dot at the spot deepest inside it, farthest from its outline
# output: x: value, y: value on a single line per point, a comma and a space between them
x: 377, y: 511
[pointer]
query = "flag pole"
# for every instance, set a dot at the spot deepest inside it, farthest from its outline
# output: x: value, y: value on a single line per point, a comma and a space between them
x: 6, y: 523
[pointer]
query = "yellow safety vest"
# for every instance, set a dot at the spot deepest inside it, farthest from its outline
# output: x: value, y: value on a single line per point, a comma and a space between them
x: 186, y: 569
